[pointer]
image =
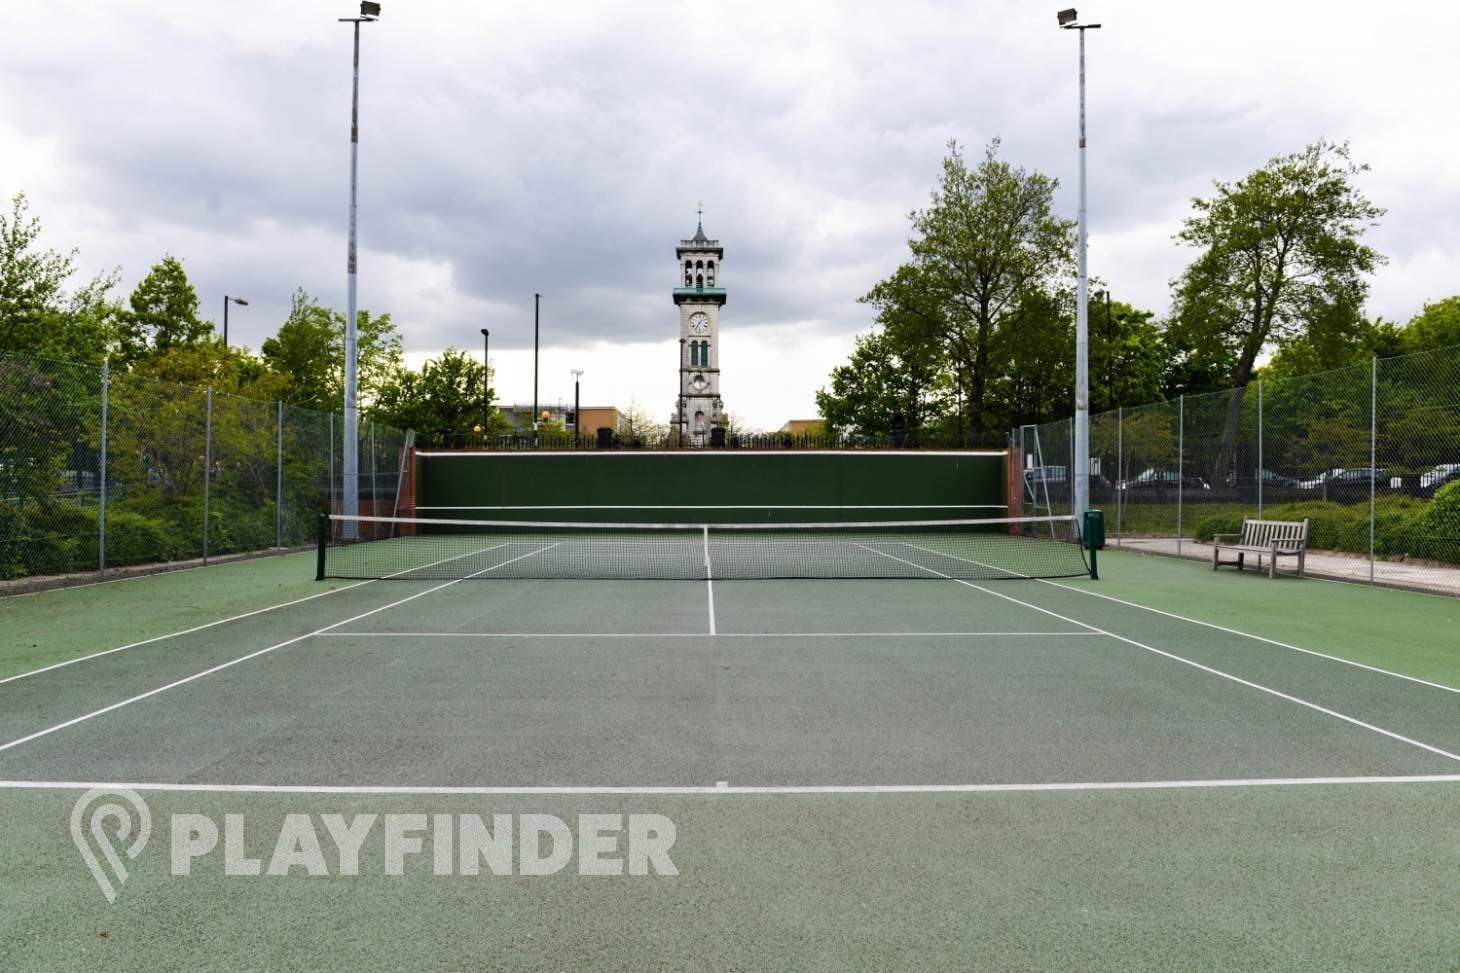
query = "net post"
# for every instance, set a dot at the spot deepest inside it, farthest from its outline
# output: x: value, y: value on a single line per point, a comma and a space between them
x: 323, y: 542
x: 1092, y: 535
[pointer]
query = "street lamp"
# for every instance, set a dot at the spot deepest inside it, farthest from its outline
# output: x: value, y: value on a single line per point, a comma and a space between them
x: 1069, y: 20
x: 227, y: 301
x: 486, y: 379
x: 368, y: 12
x: 577, y: 413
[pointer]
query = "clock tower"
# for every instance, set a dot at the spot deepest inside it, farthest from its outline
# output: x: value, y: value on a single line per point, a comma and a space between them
x: 699, y: 298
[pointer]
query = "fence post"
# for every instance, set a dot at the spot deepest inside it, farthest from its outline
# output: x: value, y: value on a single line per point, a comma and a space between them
x: 1260, y: 466
x: 1180, y: 463
x: 279, y: 488
x: 372, y: 468
x: 1119, y: 471
x: 1373, y: 452
x: 207, y: 470
x: 330, y: 487
x: 101, y: 472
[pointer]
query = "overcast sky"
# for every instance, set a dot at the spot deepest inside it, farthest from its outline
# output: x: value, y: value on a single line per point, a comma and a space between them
x: 508, y: 148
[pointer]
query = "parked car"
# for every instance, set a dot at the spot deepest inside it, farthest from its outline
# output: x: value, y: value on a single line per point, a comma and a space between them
x: 1268, y: 477
x: 1057, y: 478
x: 1438, y: 477
x: 1155, y: 480
x: 1345, y: 484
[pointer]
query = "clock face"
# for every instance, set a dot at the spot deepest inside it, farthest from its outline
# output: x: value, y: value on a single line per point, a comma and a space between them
x: 699, y: 323
x: 699, y: 383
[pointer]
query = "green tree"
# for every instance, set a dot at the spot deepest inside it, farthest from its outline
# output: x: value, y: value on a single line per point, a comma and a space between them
x: 446, y: 395
x: 32, y: 280
x: 162, y: 313
x: 988, y: 259
x: 1035, y: 379
x: 885, y: 376
x: 1281, y: 251
x: 37, y: 315
x: 1127, y: 356
x: 1437, y: 326
x: 635, y: 424
x: 1323, y: 350
x: 310, y: 349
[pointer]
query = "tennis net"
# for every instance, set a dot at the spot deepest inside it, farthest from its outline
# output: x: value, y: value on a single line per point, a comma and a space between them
x: 435, y: 549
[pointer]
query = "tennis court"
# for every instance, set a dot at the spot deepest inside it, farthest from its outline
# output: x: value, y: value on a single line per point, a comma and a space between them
x: 1165, y: 768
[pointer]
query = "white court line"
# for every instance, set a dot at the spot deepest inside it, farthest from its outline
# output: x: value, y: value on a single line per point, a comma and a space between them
x: 169, y: 635
x: 232, y: 618
x: 1211, y: 625
x: 695, y: 635
x: 253, y: 655
x: 1258, y: 638
x: 724, y: 788
x: 1176, y: 658
x: 709, y: 580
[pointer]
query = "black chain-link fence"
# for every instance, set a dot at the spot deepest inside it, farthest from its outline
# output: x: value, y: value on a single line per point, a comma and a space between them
x: 102, y: 469
x: 1370, y: 456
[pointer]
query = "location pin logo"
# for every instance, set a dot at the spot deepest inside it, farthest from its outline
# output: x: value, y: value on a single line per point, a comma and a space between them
x: 103, y: 817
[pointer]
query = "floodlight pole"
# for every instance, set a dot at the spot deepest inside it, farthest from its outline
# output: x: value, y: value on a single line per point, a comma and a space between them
x: 351, y: 467
x: 1081, y: 464
x: 679, y: 419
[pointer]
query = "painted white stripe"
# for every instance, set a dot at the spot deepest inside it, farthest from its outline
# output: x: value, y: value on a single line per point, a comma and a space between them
x: 709, y: 581
x: 1260, y: 638
x: 231, y: 618
x: 723, y: 788
x: 252, y: 655
x: 829, y: 527
x: 697, y: 635
x: 737, y: 506
x: 903, y: 455
x: 185, y: 631
x: 1221, y: 628
x: 1196, y: 665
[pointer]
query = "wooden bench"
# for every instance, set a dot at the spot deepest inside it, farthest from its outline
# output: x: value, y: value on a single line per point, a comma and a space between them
x: 1275, y: 538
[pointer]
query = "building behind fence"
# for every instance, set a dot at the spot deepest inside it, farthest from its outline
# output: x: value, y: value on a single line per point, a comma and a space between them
x: 102, y: 469
x: 1370, y: 455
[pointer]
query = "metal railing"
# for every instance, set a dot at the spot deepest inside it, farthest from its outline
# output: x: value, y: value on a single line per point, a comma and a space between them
x: 102, y: 469
x: 1369, y: 454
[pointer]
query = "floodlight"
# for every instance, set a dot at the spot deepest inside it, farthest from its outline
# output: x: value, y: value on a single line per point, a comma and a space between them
x: 369, y: 9
x: 1065, y: 16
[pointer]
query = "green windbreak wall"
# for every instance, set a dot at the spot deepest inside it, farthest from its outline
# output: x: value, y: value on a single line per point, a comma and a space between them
x: 711, y: 486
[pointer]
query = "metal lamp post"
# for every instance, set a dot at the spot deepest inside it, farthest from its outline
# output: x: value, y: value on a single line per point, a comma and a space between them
x: 679, y: 419
x: 486, y: 379
x: 577, y: 412
x: 351, y: 468
x: 536, y: 318
x: 1069, y: 20
x: 227, y: 301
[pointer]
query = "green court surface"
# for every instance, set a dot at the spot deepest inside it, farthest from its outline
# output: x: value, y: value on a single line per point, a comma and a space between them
x: 1166, y: 769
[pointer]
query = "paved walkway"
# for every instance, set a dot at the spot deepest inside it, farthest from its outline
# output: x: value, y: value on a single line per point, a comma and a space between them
x: 1422, y: 576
